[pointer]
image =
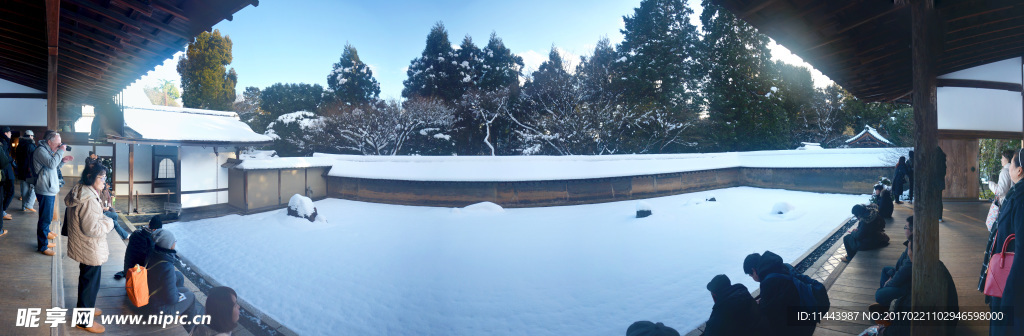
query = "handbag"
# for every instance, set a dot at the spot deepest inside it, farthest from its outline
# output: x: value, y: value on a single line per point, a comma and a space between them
x: 137, y: 285
x: 993, y: 214
x: 998, y: 270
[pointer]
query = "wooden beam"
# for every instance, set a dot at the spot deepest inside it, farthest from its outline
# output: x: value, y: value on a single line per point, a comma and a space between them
x: 85, y: 20
x: 928, y: 288
x: 22, y: 95
x: 138, y: 6
x: 131, y: 175
x: 171, y: 9
x: 52, y: 44
x: 110, y: 14
x: 978, y: 84
x: 969, y: 134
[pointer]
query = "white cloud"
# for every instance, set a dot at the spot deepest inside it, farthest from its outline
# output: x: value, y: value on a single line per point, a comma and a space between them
x: 782, y: 54
x: 532, y: 60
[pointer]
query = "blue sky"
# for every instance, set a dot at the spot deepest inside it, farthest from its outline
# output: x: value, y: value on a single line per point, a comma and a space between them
x: 298, y: 41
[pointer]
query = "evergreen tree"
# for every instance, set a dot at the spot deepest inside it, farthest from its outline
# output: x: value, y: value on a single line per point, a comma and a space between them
x: 596, y: 72
x: 500, y: 67
x: 280, y: 99
x: 249, y: 107
x: 435, y: 74
x: 551, y: 71
x: 467, y: 129
x: 352, y: 80
x: 165, y: 94
x: 796, y: 94
x: 658, y: 59
x: 470, y: 61
x: 206, y: 82
x: 744, y: 111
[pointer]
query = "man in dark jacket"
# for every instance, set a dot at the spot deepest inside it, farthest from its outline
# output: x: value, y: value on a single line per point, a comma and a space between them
x: 23, y: 160
x: 168, y: 294
x: 7, y: 166
x: 735, y: 311
x: 779, y: 297
x: 139, y: 245
x: 869, y: 234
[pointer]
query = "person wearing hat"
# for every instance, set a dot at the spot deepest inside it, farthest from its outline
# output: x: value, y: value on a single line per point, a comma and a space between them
x: 23, y: 161
x: 168, y: 294
x: 7, y: 167
x: 735, y: 311
x: 648, y: 328
x: 139, y: 244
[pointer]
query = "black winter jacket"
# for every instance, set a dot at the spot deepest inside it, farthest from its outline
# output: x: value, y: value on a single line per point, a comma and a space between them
x: 23, y: 158
x: 163, y: 281
x: 735, y: 313
x: 779, y: 298
x: 884, y: 202
x: 139, y: 245
x: 1010, y: 221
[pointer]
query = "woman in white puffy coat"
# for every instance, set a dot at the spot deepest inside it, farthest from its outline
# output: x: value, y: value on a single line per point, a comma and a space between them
x: 87, y: 236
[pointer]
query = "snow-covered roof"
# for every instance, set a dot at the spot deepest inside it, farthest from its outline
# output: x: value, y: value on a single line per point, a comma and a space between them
x: 872, y: 131
x: 286, y: 162
x: 186, y: 125
x: 545, y: 168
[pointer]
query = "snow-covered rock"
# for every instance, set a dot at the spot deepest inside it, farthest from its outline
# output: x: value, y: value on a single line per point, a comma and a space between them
x: 782, y: 208
x: 302, y: 207
x: 480, y: 208
x: 782, y: 211
x: 643, y: 209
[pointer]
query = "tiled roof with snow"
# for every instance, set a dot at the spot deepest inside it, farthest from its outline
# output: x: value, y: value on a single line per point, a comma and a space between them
x: 165, y: 123
x: 873, y: 132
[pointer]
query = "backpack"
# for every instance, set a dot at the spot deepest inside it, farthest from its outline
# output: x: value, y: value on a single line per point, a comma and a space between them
x: 137, y: 285
x: 813, y: 293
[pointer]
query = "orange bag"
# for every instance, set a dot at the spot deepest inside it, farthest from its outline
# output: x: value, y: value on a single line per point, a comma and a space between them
x: 137, y: 285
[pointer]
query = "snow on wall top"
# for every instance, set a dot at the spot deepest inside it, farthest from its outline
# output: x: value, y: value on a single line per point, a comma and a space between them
x: 187, y: 124
x: 545, y: 168
x: 874, y: 133
x: 286, y: 163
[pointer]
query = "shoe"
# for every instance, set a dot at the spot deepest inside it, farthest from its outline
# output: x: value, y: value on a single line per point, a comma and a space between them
x: 49, y: 252
x: 51, y: 236
x: 8, y: 217
x: 118, y: 275
x: 898, y: 202
x: 98, y: 312
x: 96, y: 328
x: 30, y: 210
x: 846, y: 259
x: 51, y: 245
x: 2, y: 233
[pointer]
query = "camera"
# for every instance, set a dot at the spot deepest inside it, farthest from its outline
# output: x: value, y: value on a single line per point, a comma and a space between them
x: 67, y: 148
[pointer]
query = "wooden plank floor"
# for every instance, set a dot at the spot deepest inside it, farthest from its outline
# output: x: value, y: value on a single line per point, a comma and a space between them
x: 962, y: 239
x: 25, y: 274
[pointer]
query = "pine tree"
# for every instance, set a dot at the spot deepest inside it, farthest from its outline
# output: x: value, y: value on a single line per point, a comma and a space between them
x: 206, y: 82
x: 352, y: 80
x: 744, y: 111
x: 596, y: 72
x: 796, y: 93
x: 280, y: 99
x: 550, y: 72
x: 657, y: 59
x: 470, y: 61
x: 435, y: 74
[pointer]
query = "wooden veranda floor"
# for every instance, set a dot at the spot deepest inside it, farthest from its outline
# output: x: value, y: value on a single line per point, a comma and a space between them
x: 962, y: 239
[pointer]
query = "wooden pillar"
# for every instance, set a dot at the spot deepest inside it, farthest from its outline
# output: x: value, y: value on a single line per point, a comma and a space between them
x: 928, y: 291
x: 131, y: 176
x: 52, y: 39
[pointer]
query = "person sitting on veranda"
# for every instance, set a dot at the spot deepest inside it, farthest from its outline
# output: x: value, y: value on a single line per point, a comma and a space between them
x: 735, y: 312
x: 168, y: 294
x: 883, y: 199
x: 648, y: 328
x: 895, y: 281
x: 139, y: 244
x: 869, y: 234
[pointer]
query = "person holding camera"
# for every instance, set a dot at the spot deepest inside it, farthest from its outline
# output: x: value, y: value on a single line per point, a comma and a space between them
x: 47, y: 161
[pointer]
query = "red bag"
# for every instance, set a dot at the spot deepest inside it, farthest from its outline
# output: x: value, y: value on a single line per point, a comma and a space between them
x: 999, y: 270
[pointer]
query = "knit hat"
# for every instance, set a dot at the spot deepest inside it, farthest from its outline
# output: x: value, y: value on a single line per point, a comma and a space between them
x: 859, y: 210
x: 155, y: 223
x: 647, y: 328
x: 719, y: 283
x: 164, y: 239
x: 29, y: 133
x: 750, y: 263
x: 5, y: 129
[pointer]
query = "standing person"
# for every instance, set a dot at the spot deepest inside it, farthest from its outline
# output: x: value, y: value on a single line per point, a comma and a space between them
x: 87, y: 238
x: 47, y: 161
x: 23, y: 159
x: 897, y: 179
x: 1002, y: 187
x: 735, y: 311
x: 910, y: 175
x: 7, y: 166
x: 222, y: 306
x: 1010, y: 221
x: 869, y: 234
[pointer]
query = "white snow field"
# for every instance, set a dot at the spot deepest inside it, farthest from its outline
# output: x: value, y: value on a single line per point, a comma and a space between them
x: 379, y: 269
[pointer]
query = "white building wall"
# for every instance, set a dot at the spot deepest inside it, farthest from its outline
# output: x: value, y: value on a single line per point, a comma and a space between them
x: 21, y: 111
x: 143, y: 168
x: 201, y: 170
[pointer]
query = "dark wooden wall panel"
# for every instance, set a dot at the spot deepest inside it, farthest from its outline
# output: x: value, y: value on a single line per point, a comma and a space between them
x: 961, y: 168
